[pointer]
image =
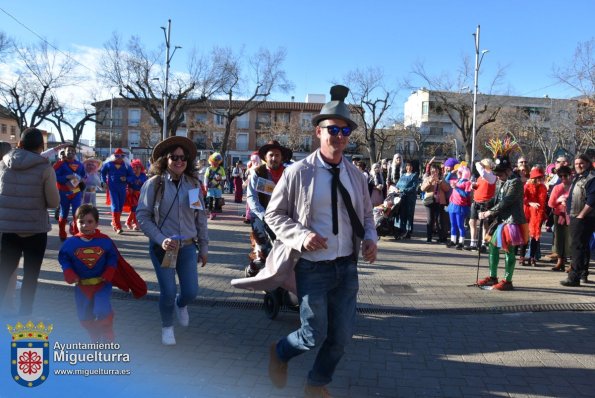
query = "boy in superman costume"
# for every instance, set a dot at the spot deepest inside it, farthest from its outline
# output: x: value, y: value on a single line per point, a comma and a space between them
x: 69, y: 176
x: 91, y: 261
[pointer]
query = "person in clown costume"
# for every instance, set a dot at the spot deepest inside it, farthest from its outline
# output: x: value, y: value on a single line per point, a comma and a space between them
x: 134, y: 185
x: 214, y: 181
x: 115, y: 173
x: 70, y: 174
x: 508, y: 226
x: 92, y: 181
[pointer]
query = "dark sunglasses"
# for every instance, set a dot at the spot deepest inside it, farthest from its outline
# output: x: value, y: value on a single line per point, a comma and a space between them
x: 175, y: 158
x: 563, y: 175
x: 334, y: 130
x: 118, y: 156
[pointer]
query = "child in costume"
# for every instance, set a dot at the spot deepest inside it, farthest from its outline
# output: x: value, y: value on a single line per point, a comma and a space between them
x: 214, y: 181
x: 134, y: 185
x: 70, y: 174
x: 115, y: 173
x: 460, y: 204
x: 89, y: 261
x: 92, y: 181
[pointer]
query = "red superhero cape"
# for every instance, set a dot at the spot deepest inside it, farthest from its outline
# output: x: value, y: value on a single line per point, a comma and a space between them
x: 125, y: 278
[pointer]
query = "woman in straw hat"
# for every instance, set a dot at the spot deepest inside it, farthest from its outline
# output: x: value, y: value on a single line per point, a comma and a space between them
x: 171, y: 214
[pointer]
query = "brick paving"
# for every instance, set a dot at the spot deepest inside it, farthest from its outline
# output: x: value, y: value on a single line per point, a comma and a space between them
x: 421, y: 331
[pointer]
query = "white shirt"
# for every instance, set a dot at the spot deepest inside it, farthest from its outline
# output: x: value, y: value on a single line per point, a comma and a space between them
x: 339, y: 245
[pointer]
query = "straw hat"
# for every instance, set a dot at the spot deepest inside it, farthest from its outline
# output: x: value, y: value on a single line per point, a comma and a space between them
x: 171, y: 143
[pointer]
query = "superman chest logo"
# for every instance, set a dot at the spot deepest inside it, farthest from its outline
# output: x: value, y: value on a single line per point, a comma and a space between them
x: 74, y: 167
x: 89, y: 255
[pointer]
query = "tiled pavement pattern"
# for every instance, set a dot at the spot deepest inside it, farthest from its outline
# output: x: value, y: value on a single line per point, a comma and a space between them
x: 421, y: 331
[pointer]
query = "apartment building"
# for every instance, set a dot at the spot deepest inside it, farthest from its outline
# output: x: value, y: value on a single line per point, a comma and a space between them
x: 424, y: 110
x: 288, y: 122
x: 9, y: 128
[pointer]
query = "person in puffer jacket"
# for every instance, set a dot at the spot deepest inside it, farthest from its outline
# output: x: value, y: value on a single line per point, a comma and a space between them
x: 27, y: 190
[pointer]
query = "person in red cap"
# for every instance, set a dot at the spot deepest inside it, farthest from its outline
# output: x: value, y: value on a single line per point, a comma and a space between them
x: 134, y: 185
x: 115, y: 173
x: 534, y: 206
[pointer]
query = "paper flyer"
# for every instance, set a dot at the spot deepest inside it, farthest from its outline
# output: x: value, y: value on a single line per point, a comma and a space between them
x: 194, y: 198
x: 264, y: 186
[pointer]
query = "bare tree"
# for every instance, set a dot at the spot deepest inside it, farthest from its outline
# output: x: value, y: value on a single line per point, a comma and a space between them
x: 289, y: 134
x: 579, y: 74
x: 540, y: 132
x: 140, y: 77
x: 6, y: 43
x: 61, y: 120
x: 458, y: 106
x: 247, y: 83
x: 370, y: 93
x: 31, y: 96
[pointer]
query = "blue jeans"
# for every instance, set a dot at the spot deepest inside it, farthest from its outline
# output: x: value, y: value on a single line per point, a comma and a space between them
x: 327, y: 292
x: 186, y: 268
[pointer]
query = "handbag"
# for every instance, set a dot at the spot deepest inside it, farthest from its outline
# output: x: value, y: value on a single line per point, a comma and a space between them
x: 428, y: 199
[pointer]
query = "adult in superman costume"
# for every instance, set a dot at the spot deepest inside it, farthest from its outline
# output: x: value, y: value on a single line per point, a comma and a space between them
x: 69, y: 176
x: 115, y: 173
x: 92, y: 262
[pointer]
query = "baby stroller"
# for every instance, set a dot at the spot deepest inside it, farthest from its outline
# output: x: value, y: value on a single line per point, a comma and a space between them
x: 385, y: 214
x: 274, y: 299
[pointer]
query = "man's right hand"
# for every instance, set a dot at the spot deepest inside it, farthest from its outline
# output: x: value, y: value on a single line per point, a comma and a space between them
x: 314, y: 242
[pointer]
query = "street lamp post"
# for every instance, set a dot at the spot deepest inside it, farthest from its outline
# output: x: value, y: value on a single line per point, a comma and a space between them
x: 167, y: 33
x: 478, y: 60
x: 111, y: 121
x: 454, y: 140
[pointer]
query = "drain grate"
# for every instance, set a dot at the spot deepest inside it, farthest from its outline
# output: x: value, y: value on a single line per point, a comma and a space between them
x: 398, y: 289
x: 366, y: 310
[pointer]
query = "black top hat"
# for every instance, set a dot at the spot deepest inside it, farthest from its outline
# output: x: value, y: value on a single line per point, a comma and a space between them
x: 502, y: 163
x: 336, y: 108
x: 273, y: 144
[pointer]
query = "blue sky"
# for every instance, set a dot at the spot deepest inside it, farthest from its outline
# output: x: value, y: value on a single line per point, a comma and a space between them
x: 326, y: 39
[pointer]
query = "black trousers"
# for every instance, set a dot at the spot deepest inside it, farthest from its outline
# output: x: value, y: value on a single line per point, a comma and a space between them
x: 32, y: 249
x: 435, y: 215
x: 581, y: 231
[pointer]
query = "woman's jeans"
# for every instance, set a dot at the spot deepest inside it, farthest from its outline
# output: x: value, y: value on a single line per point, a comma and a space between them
x: 186, y: 268
x: 32, y: 248
x: 327, y: 292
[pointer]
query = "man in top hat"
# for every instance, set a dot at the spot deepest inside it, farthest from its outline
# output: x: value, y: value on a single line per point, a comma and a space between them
x: 70, y: 174
x: 115, y: 173
x: 512, y: 231
x: 260, y: 187
x: 321, y: 214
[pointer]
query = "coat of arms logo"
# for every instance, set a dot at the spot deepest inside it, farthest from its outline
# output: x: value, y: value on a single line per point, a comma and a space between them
x: 30, y: 358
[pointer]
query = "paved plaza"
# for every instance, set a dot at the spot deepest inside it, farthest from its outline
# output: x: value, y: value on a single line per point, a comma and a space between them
x: 421, y: 330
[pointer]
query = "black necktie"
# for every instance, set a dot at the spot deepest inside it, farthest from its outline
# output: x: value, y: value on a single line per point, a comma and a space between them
x: 356, y: 224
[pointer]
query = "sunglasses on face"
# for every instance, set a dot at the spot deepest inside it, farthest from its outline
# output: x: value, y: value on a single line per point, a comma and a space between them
x: 334, y: 130
x: 563, y: 176
x: 118, y: 156
x: 175, y: 158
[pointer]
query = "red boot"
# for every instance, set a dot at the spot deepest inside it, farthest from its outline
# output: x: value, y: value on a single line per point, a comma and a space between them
x: 92, y: 329
x: 116, y: 222
x: 62, y: 228
x: 73, y: 229
x: 105, y: 328
x: 130, y: 220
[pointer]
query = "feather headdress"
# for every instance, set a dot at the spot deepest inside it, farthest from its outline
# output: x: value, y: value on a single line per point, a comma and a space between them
x: 501, y: 148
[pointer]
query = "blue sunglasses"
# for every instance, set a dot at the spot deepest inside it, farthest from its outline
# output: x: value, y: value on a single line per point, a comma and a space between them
x: 334, y: 130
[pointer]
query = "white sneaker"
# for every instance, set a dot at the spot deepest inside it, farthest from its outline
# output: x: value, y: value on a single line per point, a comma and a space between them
x: 182, y: 314
x: 167, y: 336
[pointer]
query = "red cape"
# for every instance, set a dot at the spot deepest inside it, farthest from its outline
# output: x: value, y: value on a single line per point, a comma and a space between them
x: 125, y: 278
